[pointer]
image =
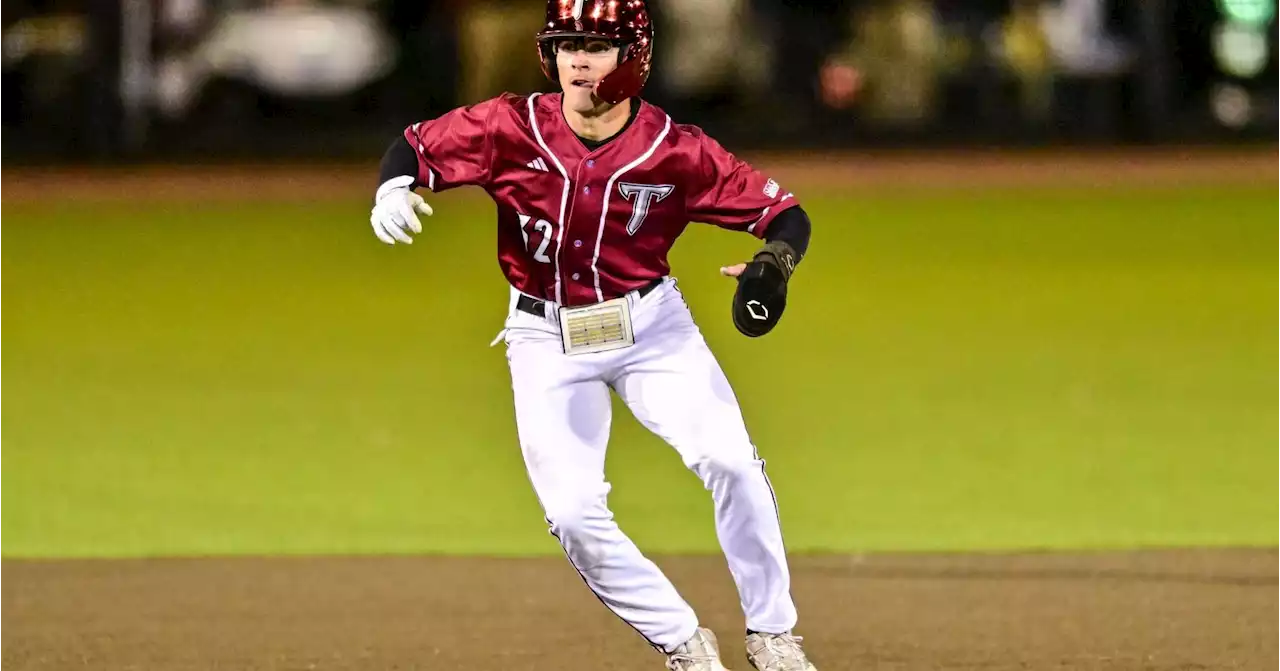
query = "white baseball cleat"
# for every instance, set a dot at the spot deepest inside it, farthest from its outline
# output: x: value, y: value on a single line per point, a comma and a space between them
x: 777, y: 652
x: 699, y: 653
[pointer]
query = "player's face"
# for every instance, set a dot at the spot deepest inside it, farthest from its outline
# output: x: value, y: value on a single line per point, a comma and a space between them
x: 583, y: 62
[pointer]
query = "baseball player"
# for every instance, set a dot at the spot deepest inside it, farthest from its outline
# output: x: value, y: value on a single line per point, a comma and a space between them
x: 593, y: 185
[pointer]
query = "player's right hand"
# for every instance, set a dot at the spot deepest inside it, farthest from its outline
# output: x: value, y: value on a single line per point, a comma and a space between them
x: 395, y: 211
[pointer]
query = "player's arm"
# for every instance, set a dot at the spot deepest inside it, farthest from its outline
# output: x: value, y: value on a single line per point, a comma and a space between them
x: 442, y: 153
x: 731, y: 194
x: 395, y: 205
x: 762, y: 283
x: 787, y: 240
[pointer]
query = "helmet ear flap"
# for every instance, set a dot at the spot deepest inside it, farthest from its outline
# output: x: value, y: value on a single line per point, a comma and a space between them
x: 630, y: 76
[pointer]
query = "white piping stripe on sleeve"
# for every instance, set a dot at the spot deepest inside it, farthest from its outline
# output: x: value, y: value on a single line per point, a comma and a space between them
x: 564, y: 198
x: 422, y: 156
x: 752, y: 227
x: 608, y: 191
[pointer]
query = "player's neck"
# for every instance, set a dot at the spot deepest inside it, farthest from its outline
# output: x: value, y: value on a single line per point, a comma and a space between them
x: 600, y: 123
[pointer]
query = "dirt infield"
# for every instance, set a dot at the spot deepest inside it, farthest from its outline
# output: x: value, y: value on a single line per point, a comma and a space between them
x: 1114, y: 611
x: 1151, y: 167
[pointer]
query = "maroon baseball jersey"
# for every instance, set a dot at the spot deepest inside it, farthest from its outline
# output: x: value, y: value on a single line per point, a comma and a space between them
x: 579, y: 226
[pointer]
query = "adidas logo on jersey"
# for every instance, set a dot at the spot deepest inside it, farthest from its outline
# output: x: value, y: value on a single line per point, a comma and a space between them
x: 537, y: 164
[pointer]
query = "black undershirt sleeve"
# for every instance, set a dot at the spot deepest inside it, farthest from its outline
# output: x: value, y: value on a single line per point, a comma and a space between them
x: 792, y: 227
x: 400, y: 159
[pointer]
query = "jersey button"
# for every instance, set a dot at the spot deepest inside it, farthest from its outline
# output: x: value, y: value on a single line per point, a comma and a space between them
x: 577, y: 243
x: 591, y: 163
x: 574, y: 276
x: 586, y: 189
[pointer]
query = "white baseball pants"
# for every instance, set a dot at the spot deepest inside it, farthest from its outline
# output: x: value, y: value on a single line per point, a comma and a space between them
x: 673, y: 384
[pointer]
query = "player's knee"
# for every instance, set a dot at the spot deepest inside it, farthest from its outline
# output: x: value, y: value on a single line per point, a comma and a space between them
x: 575, y: 517
x: 725, y: 467
x: 584, y: 527
x: 566, y: 520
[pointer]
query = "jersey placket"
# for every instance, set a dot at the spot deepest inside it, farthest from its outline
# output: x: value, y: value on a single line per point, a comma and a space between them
x: 577, y: 273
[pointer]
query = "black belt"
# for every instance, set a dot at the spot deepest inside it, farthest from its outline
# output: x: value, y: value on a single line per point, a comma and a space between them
x: 537, y: 306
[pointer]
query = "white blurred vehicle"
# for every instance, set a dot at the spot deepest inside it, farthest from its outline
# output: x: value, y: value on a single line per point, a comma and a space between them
x: 290, y: 49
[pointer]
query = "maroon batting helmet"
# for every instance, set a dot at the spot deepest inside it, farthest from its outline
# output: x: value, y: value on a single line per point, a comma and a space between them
x: 623, y: 21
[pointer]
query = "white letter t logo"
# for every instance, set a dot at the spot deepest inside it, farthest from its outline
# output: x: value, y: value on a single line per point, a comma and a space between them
x: 645, y: 194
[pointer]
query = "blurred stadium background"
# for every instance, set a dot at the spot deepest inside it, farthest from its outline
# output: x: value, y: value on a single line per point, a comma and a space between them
x: 207, y: 80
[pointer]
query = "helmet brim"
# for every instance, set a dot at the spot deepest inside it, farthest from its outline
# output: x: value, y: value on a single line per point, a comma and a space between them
x: 553, y: 35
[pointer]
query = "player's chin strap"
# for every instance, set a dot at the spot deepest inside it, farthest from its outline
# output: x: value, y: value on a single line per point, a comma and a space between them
x: 762, y: 289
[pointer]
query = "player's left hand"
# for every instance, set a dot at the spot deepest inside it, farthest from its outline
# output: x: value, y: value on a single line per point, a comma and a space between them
x: 395, y: 211
x: 762, y: 288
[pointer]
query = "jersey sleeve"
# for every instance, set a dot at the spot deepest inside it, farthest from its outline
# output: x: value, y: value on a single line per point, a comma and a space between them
x: 728, y: 192
x: 455, y: 148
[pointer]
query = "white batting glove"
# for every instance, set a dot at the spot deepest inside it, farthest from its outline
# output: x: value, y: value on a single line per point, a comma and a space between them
x: 395, y: 211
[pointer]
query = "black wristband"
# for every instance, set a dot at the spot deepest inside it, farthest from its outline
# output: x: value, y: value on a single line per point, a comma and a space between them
x: 780, y: 254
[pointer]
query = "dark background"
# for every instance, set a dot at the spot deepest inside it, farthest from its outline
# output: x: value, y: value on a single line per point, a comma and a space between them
x: 85, y: 82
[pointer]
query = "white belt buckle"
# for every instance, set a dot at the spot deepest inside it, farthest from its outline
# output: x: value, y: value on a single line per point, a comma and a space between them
x: 597, y: 328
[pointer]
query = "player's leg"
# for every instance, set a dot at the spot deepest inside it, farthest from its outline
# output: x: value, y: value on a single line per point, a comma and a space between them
x: 563, y: 416
x: 675, y: 387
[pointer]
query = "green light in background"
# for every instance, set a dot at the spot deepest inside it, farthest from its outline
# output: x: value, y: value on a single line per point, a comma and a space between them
x: 1249, y: 11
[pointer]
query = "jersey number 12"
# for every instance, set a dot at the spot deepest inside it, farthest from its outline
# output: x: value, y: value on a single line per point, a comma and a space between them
x: 542, y: 226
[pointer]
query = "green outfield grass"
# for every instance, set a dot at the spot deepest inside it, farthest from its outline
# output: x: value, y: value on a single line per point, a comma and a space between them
x: 979, y: 370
